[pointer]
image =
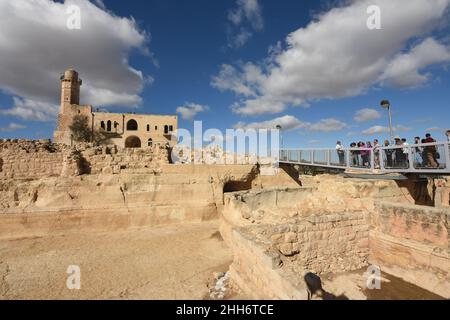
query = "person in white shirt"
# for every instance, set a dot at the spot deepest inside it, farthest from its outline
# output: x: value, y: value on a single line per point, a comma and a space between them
x: 341, y: 153
x: 405, y: 160
x: 376, y: 152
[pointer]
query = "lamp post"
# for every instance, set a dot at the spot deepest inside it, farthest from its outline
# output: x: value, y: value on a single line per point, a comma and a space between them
x: 281, y: 136
x: 387, y: 105
x: 280, y: 141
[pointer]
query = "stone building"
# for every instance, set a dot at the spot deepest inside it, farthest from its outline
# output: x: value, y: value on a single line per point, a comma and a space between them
x: 127, y: 130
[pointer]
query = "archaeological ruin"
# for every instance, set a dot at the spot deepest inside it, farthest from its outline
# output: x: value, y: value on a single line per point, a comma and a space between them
x: 281, y: 230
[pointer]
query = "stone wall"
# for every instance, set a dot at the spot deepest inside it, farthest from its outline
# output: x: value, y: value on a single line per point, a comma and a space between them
x: 324, y: 243
x: 412, y: 242
x: 333, y: 225
x: 270, y: 261
x: 289, y: 240
x: 105, y: 202
x: 104, y: 188
x: 24, y: 159
x: 114, y: 160
x: 31, y: 160
x: 442, y: 194
x: 256, y: 269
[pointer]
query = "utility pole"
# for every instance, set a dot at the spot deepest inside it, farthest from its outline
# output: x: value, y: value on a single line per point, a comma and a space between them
x: 387, y: 105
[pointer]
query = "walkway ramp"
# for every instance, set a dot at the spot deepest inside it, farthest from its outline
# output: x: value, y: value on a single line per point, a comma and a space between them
x: 428, y: 159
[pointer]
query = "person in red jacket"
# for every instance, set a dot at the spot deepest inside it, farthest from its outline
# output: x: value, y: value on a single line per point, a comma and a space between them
x: 431, y: 152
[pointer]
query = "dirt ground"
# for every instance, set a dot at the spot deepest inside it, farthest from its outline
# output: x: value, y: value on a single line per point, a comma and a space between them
x: 353, y: 286
x: 169, y: 262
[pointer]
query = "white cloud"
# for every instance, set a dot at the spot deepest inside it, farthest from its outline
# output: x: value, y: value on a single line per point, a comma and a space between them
x: 374, y: 130
x: 247, y: 9
x: 12, y: 127
x: 380, y: 129
x: 328, y: 125
x: 244, y: 20
x: 337, y: 56
x: 439, y: 129
x: 189, y: 110
x: 254, y: 107
x: 402, y: 128
x: 241, y: 83
x: 367, y: 114
x: 289, y: 122
x: 403, y: 71
x: 36, y: 47
x: 28, y: 109
x: 242, y: 37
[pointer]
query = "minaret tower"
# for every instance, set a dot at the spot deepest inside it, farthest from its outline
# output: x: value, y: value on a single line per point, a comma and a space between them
x: 70, y: 106
x: 70, y: 90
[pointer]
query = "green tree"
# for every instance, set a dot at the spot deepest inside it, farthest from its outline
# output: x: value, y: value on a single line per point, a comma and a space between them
x: 82, y: 132
x: 80, y: 129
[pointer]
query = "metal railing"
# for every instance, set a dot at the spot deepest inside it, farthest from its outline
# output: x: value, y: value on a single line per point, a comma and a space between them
x: 425, y: 158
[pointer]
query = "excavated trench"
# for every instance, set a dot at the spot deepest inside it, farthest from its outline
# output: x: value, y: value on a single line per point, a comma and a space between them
x: 335, y: 229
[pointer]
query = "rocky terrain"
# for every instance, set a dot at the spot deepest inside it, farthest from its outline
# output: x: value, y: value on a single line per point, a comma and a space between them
x: 139, y: 227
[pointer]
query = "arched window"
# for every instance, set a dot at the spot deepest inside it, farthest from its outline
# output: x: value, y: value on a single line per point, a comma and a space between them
x: 170, y: 128
x: 166, y: 129
x: 102, y: 125
x: 108, y: 125
x: 116, y: 125
x: 148, y: 127
x: 150, y: 142
x: 132, y: 142
x: 132, y: 125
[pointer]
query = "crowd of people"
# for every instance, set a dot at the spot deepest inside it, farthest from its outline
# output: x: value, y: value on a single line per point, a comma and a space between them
x: 395, y: 155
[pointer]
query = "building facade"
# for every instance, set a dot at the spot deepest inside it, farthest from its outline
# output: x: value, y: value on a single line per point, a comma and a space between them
x: 127, y: 130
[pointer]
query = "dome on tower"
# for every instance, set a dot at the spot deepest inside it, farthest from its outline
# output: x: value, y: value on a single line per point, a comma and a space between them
x: 71, y: 74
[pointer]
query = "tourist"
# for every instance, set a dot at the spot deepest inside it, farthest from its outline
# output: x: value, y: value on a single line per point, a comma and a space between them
x: 354, y: 155
x: 418, y: 151
x: 364, y: 154
x: 424, y: 154
x: 389, y: 155
x: 369, y: 153
x: 376, y: 143
x: 431, y: 152
x: 376, y: 153
x: 398, y: 153
x: 341, y: 153
x: 360, y: 159
x: 405, y: 159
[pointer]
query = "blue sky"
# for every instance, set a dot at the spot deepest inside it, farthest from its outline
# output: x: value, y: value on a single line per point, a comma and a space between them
x: 181, y: 49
